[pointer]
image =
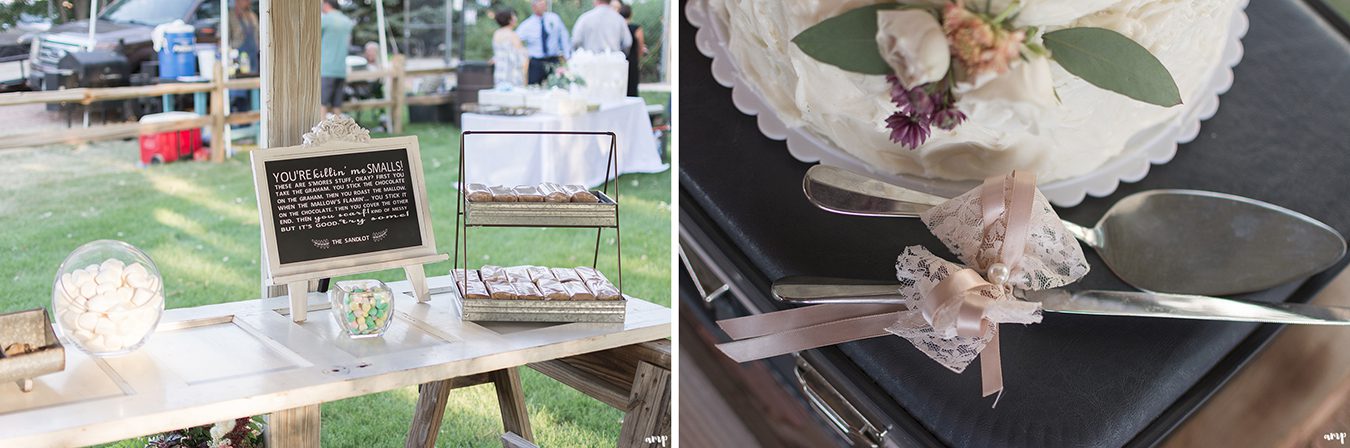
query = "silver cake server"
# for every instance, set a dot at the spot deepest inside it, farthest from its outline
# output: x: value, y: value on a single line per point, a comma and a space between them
x: 816, y: 290
x: 1177, y: 241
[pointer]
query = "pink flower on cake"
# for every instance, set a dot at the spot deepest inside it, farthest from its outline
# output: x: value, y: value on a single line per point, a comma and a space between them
x: 913, y: 44
x: 978, y: 45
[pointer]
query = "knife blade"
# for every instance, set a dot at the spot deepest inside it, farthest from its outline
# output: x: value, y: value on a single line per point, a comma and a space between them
x: 815, y: 290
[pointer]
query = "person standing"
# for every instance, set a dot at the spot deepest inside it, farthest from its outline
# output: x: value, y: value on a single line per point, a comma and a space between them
x: 510, y: 60
x: 244, y: 39
x: 335, y: 40
x: 546, y: 38
x: 636, y: 51
x: 601, y: 29
x: 244, y: 36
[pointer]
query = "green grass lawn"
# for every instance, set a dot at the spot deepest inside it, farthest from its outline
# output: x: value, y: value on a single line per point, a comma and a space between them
x: 199, y: 222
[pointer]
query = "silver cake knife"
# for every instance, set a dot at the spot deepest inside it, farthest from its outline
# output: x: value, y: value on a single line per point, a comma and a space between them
x: 1101, y: 303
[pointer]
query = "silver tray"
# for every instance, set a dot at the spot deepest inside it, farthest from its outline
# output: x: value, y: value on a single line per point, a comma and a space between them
x: 499, y: 310
x: 31, y: 327
x: 543, y: 214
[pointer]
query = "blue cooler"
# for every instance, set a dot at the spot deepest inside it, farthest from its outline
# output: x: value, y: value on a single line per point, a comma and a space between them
x: 176, y: 43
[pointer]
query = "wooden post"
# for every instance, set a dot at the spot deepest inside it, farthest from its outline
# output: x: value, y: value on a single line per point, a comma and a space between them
x: 396, y: 95
x: 298, y: 427
x: 511, y: 399
x: 427, y: 416
x: 290, y: 79
x: 219, y: 141
x: 647, y: 422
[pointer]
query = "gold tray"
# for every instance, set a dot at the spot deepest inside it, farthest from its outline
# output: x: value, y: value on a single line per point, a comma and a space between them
x: 543, y: 214
x: 31, y: 327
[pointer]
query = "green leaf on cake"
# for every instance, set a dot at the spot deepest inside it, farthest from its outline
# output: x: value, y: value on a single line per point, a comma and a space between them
x: 1110, y: 60
x: 847, y: 41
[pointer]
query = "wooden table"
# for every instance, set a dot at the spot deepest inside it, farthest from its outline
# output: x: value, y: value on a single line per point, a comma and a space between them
x: 1294, y: 392
x: 224, y: 361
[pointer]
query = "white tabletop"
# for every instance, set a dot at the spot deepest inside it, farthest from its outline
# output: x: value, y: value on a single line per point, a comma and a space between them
x: 219, y: 362
x: 533, y: 159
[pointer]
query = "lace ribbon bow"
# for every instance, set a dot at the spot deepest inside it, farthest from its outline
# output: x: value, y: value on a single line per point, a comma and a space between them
x: 1008, y: 238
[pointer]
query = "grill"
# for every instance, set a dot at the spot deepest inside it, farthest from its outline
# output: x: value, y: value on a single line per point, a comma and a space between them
x: 51, y: 50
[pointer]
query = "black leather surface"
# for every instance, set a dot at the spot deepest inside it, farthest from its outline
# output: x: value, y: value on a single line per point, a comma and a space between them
x: 1282, y: 135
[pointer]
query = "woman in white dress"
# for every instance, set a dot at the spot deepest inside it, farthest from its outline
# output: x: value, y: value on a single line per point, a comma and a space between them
x: 509, y: 57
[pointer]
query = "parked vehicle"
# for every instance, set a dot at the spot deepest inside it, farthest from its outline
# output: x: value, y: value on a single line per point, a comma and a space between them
x: 124, y: 27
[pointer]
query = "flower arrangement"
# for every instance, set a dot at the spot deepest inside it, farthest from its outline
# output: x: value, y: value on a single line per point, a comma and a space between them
x: 933, y: 54
x: 562, y: 78
x: 245, y: 432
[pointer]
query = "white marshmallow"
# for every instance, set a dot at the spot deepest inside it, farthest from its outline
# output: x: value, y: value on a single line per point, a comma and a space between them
x: 87, y: 321
x: 111, y: 277
x: 141, y: 297
x: 70, y: 319
x: 88, y: 290
x: 105, y: 326
x: 84, y: 335
x: 112, y: 263
x: 101, y: 303
x: 105, y: 288
x: 136, y: 270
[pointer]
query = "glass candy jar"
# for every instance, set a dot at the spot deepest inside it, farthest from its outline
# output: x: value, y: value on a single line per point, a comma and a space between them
x: 363, y: 308
x: 108, y: 297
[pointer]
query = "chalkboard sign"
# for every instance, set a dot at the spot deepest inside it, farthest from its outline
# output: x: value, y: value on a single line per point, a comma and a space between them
x: 344, y: 208
x: 331, y: 206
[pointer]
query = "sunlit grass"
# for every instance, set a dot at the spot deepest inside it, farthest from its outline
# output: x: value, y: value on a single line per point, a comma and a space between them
x: 199, y: 222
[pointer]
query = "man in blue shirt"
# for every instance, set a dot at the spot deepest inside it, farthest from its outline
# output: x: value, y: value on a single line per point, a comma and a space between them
x: 547, y: 40
x: 335, y: 39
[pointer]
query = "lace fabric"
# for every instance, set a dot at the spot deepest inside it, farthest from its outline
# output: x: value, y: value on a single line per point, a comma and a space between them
x: 1051, y: 258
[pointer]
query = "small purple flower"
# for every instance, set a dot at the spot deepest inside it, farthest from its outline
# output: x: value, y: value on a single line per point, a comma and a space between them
x: 920, y: 103
x: 948, y: 118
x: 907, y: 129
x: 899, y: 94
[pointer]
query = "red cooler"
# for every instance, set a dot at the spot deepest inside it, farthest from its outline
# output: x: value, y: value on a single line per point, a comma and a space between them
x: 170, y: 146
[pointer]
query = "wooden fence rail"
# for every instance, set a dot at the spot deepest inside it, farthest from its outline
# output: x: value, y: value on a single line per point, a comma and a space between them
x: 395, y: 79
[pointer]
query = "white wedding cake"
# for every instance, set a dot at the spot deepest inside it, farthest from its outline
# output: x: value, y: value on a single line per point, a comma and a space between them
x: 1033, y: 115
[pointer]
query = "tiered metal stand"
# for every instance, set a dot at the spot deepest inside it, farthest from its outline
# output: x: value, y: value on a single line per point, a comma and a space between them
x: 600, y: 216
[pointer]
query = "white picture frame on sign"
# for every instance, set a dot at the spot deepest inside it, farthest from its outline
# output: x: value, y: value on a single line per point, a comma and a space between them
x: 323, y: 142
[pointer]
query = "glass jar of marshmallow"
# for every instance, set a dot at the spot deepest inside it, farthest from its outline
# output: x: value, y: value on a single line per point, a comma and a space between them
x: 108, y: 298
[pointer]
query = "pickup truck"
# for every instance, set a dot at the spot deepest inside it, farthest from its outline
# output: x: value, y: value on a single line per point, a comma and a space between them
x: 124, y: 27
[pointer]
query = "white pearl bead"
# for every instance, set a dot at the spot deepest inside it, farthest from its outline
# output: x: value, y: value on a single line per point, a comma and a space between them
x: 999, y: 273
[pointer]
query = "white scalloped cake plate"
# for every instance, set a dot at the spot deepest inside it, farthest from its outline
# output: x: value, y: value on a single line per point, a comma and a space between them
x: 1131, y: 165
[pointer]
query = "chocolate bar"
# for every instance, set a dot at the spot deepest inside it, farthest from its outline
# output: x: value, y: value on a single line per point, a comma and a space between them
x: 566, y: 275
x: 554, y: 193
x: 526, y: 290
x: 503, y: 194
x: 473, y: 287
x: 552, y: 289
x: 579, y: 193
x: 478, y: 193
x: 578, y: 290
x: 529, y: 193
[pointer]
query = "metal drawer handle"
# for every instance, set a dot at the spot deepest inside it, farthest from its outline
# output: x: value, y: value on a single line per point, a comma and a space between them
x: 830, y: 404
x: 710, y: 285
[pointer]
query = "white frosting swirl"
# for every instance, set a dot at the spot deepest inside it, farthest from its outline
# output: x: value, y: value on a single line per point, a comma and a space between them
x: 1010, y: 124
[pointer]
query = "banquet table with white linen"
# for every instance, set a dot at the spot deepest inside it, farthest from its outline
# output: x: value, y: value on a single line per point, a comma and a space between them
x: 504, y: 159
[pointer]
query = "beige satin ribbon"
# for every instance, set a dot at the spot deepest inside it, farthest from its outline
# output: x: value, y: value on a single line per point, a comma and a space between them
x: 772, y: 334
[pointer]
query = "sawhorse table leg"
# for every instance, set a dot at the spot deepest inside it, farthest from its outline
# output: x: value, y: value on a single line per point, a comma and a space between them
x: 431, y: 398
x: 634, y: 379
